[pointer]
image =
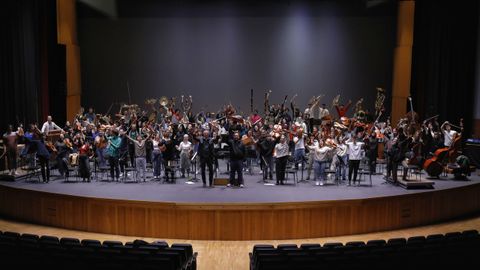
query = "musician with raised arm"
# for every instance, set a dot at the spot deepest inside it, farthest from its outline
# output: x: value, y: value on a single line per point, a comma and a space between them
x: 207, y: 156
x: 113, y: 154
x: 266, y: 145
x: 140, y: 155
x: 237, y: 155
x: 343, y: 109
x: 448, y: 133
x: 281, y: 157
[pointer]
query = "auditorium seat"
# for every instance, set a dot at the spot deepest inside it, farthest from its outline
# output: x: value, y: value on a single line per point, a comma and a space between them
x: 30, y: 250
x: 452, y: 250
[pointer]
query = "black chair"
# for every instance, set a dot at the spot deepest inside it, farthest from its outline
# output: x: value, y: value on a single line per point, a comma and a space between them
x: 309, y: 246
x: 284, y: 246
x: 110, y: 243
x: 30, y: 236
x: 91, y: 243
x: 376, y: 243
x: 355, y: 244
x: 332, y: 245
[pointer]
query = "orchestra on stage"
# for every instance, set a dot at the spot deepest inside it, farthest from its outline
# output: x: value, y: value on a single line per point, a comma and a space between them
x: 330, y: 140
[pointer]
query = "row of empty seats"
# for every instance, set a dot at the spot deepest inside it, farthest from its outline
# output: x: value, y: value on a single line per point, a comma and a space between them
x: 456, y: 249
x: 48, y: 251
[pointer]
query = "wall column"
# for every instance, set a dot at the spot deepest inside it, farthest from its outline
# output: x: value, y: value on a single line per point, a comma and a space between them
x: 402, y: 64
x: 67, y: 35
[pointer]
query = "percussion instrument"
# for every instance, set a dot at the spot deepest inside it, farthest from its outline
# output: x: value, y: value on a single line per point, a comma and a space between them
x: 73, y: 159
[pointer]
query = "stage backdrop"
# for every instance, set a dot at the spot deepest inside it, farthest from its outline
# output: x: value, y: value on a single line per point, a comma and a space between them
x: 217, y: 51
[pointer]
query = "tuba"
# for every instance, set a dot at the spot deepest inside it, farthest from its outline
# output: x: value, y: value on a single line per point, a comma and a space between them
x: 163, y: 101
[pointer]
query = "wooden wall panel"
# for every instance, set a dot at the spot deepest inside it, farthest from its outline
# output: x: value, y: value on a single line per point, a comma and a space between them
x: 402, y: 62
x: 236, y: 221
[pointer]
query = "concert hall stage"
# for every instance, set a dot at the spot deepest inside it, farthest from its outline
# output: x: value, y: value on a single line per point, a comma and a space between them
x: 257, y: 211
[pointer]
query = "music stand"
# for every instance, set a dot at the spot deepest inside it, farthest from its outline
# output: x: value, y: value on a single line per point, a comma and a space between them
x: 264, y: 173
x: 193, y: 159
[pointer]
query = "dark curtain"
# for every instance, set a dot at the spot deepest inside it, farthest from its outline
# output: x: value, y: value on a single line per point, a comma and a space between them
x: 27, y: 44
x: 444, y: 55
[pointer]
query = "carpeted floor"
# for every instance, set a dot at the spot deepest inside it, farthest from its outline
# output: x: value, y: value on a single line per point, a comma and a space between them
x: 255, y: 191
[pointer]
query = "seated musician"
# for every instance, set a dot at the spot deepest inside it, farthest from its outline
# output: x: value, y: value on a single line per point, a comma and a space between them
x: 49, y: 125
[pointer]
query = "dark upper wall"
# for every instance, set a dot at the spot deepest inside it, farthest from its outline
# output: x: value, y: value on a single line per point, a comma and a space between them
x: 218, y: 51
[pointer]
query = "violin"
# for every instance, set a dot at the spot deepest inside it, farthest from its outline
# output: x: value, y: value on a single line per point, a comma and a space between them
x: 68, y: 143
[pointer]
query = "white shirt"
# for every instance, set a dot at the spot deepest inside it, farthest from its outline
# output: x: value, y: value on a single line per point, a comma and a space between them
x: 341, y: 150
x: 320, y: 153
x: 355, y: 150
x: 323, y: 112
x: 281, y: 150
x: 299, y: 142
x: 47, y: 127
x: 184, y: 147
x: 448, y: 135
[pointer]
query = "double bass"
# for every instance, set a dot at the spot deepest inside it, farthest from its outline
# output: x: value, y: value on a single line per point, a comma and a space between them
x: 435, y: 165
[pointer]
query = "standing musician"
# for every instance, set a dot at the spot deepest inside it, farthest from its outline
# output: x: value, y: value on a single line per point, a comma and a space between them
x: 157, y: 156
x: 281, y: 157
x: 140, y: 155
x: 133, y: 133
x: 354, y: 156
x: 342, y: 109
x: 168, y: 156
x: 266, y: 145
x: 237, y: 155
x: 185, y: 148
x: 299, y: 146
x: 448, y: 133
x: 11, y: 141
x: 44, y: 159
x: 85, y: 152
x: 320, y: 152
x: 113, y: 153
x: 207, y: 156
x: 100, y: 146
x: 49, y: 125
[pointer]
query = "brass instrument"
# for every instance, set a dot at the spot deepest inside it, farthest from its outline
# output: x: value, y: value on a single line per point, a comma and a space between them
x: 379, y: 100
x: 266, y: 107
x: 151, y: 101
x: 358, y: 106
x: 335, y: 101
x: 163, y: 101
